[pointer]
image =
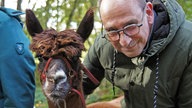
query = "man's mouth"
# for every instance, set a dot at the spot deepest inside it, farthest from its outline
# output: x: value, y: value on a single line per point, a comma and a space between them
x: 133, y: 43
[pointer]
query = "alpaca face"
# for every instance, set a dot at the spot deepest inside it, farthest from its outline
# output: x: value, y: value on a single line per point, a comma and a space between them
x: 56, y: 85
x: 62, y: 73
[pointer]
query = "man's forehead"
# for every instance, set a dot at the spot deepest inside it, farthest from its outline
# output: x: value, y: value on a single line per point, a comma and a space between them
x: 110, y: 6
x: 106, y: 4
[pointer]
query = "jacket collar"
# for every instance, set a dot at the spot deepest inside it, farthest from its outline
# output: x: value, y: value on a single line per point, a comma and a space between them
x: 168, y: 18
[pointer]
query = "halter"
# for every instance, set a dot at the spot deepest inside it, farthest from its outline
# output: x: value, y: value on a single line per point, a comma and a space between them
x: 72, y: 73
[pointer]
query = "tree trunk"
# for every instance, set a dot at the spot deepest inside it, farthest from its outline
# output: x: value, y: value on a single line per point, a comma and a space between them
x: 71, y: 14
x: 19, y: 4
x: 2, y: 3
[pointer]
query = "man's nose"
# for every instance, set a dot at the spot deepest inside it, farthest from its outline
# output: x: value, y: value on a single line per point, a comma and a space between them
x: 124, y: 39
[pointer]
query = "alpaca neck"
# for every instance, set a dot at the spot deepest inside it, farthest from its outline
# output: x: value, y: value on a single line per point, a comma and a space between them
x: 74, y: 101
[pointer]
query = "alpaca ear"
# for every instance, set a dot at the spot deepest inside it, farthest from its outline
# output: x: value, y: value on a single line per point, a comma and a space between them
x: 86, y: 25
x: 32, y: 23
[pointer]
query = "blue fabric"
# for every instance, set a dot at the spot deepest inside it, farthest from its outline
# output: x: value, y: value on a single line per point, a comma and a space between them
x: 17, y: 83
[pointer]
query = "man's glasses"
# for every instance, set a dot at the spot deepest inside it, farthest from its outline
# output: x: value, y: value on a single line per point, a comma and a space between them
x: 129, y: 30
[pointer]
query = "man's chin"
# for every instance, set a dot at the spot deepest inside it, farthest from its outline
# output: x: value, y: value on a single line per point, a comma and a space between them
x: 131, y: 54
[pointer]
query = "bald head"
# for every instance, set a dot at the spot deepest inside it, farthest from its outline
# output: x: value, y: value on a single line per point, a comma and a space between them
x: 141, y: 3
x: 110, y: 8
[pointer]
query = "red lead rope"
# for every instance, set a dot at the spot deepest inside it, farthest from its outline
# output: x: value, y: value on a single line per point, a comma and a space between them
x: 87, y: 72
x: 91, y: 77
x: 80, y: 95
x: 43, y: 76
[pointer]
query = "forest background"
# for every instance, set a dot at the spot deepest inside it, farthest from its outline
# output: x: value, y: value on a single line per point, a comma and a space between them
x: 66, y: 14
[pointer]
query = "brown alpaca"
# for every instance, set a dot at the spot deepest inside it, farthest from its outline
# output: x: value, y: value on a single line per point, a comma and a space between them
x: 60, y: 66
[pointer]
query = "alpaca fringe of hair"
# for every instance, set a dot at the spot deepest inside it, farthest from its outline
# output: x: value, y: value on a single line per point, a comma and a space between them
x: 50, y: 43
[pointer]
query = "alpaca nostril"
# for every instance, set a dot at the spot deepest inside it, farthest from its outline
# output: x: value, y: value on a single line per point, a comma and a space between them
x: 59, y: 88
x: 62, y: 87
x: 60, y: 79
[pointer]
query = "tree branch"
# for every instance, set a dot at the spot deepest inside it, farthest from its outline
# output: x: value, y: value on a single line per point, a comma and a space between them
x: 71, y: 14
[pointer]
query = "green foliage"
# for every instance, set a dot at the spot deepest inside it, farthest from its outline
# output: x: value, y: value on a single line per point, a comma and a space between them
x: 63, y: 14
x: 40, y: 100
x: 104, y: 92
x: 186, y: 5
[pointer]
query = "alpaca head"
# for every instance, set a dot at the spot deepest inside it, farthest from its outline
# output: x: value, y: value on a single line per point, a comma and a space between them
x: 58, y: 53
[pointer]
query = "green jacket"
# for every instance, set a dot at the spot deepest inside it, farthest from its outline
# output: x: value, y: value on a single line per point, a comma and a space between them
x: 162, y: 75
x: 17, y: 79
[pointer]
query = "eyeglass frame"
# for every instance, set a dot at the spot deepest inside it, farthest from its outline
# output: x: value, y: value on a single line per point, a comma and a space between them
x: 119, y: 30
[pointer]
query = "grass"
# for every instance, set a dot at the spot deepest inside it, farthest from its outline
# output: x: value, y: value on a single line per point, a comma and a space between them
x: 40, y: 100
x: 104, y: 93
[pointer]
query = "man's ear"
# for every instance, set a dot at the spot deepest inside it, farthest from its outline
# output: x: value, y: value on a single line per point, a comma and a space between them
x: 149, y: 12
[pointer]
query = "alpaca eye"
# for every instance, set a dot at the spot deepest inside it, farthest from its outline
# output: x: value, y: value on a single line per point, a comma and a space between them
x: 75, y: 58
x: 40, y: 59
x: 51, y: 80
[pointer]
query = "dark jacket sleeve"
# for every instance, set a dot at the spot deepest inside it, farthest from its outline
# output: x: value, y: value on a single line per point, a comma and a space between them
x: 185, y: 87
x: 17, y: 82
x: 92, y: 62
